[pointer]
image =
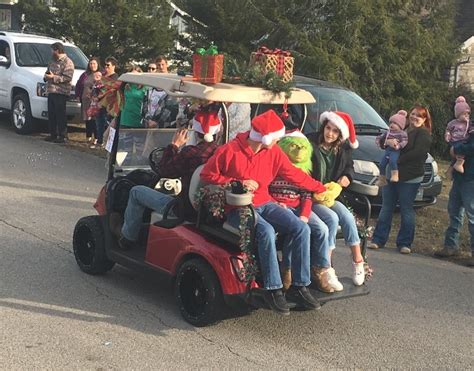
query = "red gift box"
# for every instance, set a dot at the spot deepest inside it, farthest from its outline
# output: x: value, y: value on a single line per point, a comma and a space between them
x: 277, y: 60
x: 208, y: 69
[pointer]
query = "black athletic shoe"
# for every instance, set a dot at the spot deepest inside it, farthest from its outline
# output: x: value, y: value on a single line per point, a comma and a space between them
x: 301, y: 296
x: 277, y: 302
x: 60, y: 140
x: 50, y: 139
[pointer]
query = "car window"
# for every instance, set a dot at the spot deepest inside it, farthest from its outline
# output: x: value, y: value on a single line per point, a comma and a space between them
x: 39, y: 55
x: 333, y: 99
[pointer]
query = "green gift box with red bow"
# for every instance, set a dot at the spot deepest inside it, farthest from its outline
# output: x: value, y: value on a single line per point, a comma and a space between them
x: 208, y: 65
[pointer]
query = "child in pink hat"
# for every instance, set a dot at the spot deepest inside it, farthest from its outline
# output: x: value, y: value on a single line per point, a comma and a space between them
x: 458, y: 130
x: 392, y: 142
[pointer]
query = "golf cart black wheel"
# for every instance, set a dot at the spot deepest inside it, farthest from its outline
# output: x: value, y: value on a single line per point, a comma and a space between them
x: 89, y: 247
x: 199, y: 293
x: 21, y: 114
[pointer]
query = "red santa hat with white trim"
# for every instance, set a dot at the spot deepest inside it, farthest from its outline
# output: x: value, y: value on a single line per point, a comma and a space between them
x: 207, y: 123
x: 267, y: 127
x: 344, y: 123
x: 295, y: 133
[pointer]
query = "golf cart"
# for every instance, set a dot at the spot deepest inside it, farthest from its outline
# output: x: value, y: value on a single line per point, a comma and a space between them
x: 201, y: 254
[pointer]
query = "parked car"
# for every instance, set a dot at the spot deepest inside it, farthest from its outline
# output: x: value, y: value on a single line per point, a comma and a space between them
x: 23, y: 62
x: 202, y: 256
x: 368, y: 124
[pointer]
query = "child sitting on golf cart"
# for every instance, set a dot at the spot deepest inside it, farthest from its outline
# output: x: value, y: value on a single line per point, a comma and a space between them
x: 253, y: 159
x: 173, y: 164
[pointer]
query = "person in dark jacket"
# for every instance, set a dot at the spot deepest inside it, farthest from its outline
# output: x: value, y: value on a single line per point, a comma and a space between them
x: 461, y: 200
x: 332, y: 162
x: 411, y: 168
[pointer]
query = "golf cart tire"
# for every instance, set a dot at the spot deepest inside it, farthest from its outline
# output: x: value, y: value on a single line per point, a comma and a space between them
x: 198, y: 293
x: 89, y: 246
x: 21, y: 116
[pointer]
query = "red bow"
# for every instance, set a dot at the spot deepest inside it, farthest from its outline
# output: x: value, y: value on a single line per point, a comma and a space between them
x: 265, y: 50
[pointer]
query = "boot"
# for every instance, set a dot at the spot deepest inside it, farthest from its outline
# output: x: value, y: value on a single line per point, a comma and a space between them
x: 459, y: 165
x: 116, y: 223
x: 381, y: 181
x: 286, y: 278
x: 321, y: 279
x: 394, y: 176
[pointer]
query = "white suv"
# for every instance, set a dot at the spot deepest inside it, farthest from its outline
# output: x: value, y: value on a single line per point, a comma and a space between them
x: 23, y: 62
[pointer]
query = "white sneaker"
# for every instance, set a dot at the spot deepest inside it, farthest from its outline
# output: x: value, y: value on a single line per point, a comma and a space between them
x: 333, y: 281
x: 358, y: 273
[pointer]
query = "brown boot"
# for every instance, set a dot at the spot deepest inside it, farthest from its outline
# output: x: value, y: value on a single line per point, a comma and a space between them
x: 115, y: 223
x: 320, y: 278
x: 394, y: 176
x: 286, y: 278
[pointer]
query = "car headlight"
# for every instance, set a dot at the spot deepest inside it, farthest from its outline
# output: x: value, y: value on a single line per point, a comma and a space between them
x: 435, y: 167
x: 41, y: 89
x: 366, y: 167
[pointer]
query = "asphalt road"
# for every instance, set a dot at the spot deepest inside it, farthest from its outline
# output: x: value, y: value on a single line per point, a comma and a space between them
x: 53, y: 316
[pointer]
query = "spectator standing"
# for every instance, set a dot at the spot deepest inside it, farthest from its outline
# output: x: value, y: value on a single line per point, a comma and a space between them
x: 132, y: 109
x: 83, y: 92
x: 411, y: 169
x: 161, y: 64
x: 101, y: 118
x: 58, y: 79
x: 461, y: 195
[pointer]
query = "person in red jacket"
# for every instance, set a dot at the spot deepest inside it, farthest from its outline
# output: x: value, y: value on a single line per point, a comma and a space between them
x: 253, y: 159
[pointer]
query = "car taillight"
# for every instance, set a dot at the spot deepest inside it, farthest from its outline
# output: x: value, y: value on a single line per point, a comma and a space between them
x: 238, y: 265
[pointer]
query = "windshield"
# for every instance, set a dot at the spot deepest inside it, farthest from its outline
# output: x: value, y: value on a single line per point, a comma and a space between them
x: 333, y: 99
x: 135, y: 146
x: 39, y: 55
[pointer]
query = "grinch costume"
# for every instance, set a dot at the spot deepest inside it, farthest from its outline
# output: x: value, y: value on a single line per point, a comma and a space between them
x: 299, y: 151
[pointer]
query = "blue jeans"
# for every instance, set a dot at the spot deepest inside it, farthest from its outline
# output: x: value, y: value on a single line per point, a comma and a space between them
x: 141, y: 198
x: 101, y: 124
x: 390, y: 157
x: 336, y: 215
x: 272, y: 218
x: 461, y: 200
x: 319, y: 243
x: 403, y: 193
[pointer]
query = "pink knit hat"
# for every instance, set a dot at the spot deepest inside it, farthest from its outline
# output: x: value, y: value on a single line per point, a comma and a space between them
x: 400, y: 119
x: 461, y: 106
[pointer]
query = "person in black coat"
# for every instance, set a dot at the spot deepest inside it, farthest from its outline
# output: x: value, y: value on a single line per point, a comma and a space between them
x: 411, y: 168
x: 332, y: 162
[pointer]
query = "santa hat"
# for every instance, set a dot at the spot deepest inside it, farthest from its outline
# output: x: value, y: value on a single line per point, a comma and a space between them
x: 267, y: 127
x: 400, y: 119
x: 461, y: 106
x: 344, y: 123
x: 207, y: 123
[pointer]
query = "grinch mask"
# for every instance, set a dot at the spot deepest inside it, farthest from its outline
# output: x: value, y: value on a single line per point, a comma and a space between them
x: 299, y: 151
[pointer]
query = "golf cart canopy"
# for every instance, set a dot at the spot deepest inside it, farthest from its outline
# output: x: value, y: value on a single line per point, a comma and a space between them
x: 175, y: 85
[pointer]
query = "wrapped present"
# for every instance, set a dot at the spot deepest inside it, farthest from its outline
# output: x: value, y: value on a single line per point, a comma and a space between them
x: 276, y: 60
x: 208, y: 65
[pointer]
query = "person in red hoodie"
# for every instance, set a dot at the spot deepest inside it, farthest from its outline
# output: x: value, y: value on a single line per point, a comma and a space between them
x: 253, y: 159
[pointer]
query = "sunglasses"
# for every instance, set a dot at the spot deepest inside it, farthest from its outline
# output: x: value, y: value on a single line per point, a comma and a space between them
x: 108, y: 64
x: 151, y: 68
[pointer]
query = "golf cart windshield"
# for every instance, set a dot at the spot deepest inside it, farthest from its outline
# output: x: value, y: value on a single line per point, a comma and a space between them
x: 135, y: 145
